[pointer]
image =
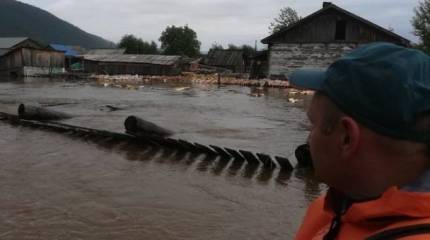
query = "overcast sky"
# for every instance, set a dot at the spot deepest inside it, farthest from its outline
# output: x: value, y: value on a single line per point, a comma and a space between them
x: 215, y: 21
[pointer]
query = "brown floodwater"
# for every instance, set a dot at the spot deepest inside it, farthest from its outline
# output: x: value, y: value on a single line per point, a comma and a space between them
x: 60, y: 186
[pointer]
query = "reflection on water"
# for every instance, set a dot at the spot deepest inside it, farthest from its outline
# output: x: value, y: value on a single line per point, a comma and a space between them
x: 58, y: 186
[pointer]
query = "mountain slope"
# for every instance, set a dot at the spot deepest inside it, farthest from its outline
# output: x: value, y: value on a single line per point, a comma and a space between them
x: 18, y: 19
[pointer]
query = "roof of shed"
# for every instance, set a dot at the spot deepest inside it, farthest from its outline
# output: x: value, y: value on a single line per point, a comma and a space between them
x: 10, y: 42
x: 3, y: 51
x: 131, y: 58
x: 221, y: 57
x: 106, y: 51
x: 327, y: 6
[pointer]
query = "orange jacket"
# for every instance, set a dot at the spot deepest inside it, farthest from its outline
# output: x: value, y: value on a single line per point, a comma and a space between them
x: 393, y: 210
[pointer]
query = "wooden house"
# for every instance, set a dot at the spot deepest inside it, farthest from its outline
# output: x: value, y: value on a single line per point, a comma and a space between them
x: 9, y: 43
x: 232, y: 60
x: 132, y: 64
x: 320, y: 38
x: 26, y: 57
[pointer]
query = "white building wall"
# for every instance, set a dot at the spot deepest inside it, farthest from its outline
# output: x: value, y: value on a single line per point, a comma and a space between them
x: 37, y: 71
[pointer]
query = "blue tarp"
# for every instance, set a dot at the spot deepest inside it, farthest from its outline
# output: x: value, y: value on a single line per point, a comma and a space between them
x: 69, y: 51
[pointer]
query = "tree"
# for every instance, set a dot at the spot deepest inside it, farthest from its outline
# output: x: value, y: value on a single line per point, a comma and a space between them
x: 248, y: 51
x: 421, y: 24
x: 134, y: 45
x: 286, y: 17
x: 216, y: 46
x: 180, y: 41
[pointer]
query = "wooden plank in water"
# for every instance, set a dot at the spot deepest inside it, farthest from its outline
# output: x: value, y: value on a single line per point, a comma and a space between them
x: 205, y: 149
x: 250, y: 158
x: 266, y: 160
x: 186, y: 145
x: 234, y: 153
x: 221, y: 151
x: 284, y: 163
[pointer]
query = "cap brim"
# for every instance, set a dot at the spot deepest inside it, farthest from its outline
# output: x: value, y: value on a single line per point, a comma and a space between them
x: 312, y: 79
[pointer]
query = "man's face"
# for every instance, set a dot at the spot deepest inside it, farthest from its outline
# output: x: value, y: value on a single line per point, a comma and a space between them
x: 323, y: 141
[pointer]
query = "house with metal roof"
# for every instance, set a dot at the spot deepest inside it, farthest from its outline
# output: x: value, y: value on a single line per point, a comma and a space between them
x: 10, y: 43
x: 26, y: 57
x: 132, y: 64
x: 106, y: 51
x: 320, y: 38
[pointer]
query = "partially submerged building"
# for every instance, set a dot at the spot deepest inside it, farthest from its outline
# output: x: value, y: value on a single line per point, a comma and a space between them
x: 320, y: 38
x: 132, y: 64
x: 232, y: 60
x: 259, y: 65
x: 26, y: 57
x: 72, y: 54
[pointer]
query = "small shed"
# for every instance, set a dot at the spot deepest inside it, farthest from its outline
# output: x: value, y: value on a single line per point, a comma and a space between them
x: 320, y: 38
x: 132, y: 64
x: 228, y: 59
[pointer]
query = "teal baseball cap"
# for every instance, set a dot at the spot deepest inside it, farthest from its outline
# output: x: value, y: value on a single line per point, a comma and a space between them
x: 383, y: 86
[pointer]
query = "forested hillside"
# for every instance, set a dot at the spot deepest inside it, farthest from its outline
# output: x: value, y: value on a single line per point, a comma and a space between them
x: 18, y: 19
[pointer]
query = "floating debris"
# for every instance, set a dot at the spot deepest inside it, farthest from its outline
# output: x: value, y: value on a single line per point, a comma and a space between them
x: 293, y: 100
x: 180, y: 89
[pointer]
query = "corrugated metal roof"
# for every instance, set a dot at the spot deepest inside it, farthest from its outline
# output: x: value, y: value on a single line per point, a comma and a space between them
x: 10, y: 42
x: 106, y: 51
x: 4, y: 51
x: 220, y: 57
x: 69, y: 50
x: 131, y: 58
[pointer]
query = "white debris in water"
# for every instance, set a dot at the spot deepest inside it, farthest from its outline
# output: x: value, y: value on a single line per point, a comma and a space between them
x: 293, y: 100
x: 180, y: 89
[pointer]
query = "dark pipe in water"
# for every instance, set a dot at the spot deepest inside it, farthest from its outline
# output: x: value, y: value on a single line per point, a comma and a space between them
x: 303, y: 155
x: 139, y: 127
x: 30, y: 112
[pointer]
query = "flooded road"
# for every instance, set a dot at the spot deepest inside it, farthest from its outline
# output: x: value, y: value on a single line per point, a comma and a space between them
x: 55, y: 186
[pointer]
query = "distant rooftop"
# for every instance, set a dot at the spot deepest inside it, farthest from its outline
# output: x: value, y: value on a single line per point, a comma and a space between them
x: 224, y: 57
x: 130, y: 58
x: 7, y: 43
x: 106, y: 51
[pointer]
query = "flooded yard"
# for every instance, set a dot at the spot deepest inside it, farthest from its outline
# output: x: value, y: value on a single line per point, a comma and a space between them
x: 57, y: 186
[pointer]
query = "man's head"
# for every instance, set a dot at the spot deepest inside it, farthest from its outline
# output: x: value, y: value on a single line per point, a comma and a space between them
x: 370, y: 108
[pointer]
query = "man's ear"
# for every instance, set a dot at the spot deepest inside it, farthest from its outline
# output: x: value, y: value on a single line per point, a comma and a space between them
x: 350, y: 136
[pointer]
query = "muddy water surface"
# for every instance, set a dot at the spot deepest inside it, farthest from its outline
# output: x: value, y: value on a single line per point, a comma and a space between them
x: 58, y: 186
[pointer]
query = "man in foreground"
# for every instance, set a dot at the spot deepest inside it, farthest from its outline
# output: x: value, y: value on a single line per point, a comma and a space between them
x: 370, y: 143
